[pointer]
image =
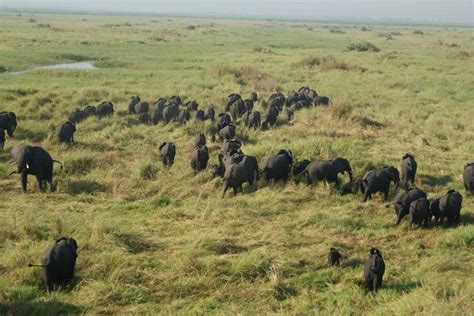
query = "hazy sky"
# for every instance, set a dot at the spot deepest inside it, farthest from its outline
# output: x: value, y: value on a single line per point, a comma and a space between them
x: 445, y: 11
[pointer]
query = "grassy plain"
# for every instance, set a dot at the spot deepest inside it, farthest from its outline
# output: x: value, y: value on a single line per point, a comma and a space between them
x: 156, y: 240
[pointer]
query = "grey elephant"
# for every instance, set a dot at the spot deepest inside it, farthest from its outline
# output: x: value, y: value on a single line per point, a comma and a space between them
x: 237, y: 109
x: 142, y: 107
x: 230, y: 145
x: 144, y: 118
x: 450, y: 206
x: 378, y: 180
x: 36, y: 161
x: 468, y: 177
x: 327, y: 170
x: 90, y: 111
x: 199, y: 158
x: 334, y: 257
x: 321, y: 100
x: 248, y: 104
x: 253, y: 119
x: 65, y: 132
x: 105, y: 109
x: 276, y: 100
x: 298, y: 168
x: 156, y: 112
x: 435, y: 211
x: 8, y: 122
x: 223, y: 119
x: 167, y: 153
x: 58, y: 262
x: 271, y: 116
x: 210, y: 114
x: 241, y: 169
x: 408, y: 167
x: 134, y: 100
x: 227, y: 132
x: 403, y: 200
x: 419, y: 212
x: 231, y: 99
x: 184, y: 116
x: 200, y: 141
x: 192, y: 106
x: 200, y: 115
x: 176, y: 99
x: 171, y: 111
x: 278, y: 167
x: 253, y: 96
x: 374, y: 269
x: 77, y: 116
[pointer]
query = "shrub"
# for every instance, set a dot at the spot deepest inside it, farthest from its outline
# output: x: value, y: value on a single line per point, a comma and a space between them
x: 418, y: 32
x: 363, y: 47
x: 3, y: 69
x: 84, y: 186
x: 148, y: 171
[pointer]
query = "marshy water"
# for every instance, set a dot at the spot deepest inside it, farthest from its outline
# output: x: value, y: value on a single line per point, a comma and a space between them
x: 83, y: 65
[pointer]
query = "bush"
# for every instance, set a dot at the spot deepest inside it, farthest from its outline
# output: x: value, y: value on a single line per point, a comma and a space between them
x: 3, y: 69
x: 363, y: 47
x: 148, y: 171
x: 418, y: 32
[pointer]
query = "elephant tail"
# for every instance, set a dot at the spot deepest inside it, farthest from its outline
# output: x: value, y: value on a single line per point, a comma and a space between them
x: 37, y: 265
x: 59, y: 163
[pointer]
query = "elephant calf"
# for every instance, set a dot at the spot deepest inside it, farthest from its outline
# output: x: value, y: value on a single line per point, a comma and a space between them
x: 408, y: 166
x: 374, y: 270
x: 36, y: 161
x: 199, y: 158
x: 167, y: 153
x: 378, y: 180
x: 58, y: 262
x: 334, y: 257
x: 278, y: 167
x: 65, y: 133
x: 403, y: 200
x: 420, y: 212
x: 468, y: 177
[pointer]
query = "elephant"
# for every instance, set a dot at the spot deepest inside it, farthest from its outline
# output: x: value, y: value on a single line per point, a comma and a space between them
x: 403, y: 199
x: 167, y: 153
x: 36, y: 161
x: 321, y: 100
x: 144, y: 118
x: 170, y: 112
x: 199, y: 158
x: 8, y: 122
x: 142, y: 107
x: 223, y: 119
x: 242, y: 169
x: 77, y: 116
x: 90, y: 110
x: 468, y: 177
x: 292, y: 98
x: 104, y: 109
x: 278, y: 167
x: 157, y: 110
x: 374, y: 270
x: 289, y: 115
x: 334, y: 257
x: 237, y: 109
x: 58, y: 262
x: 227, y: 132
x: 176, y: 99
x: 210, y: 114
x: 307, y: 94
x: 253, y: 96
x: 298, y: 168
x: 253, y: 119
x: 327, y: 170
x: 184, y: 116
x: 378, y: 180
x: 271, y: 115
x: 435, y: 210
x: 200, y: 141
x: 212, y: 133
x: 450, y: 206
x: 2, y: 139
x: 192, y: 106
x: 230, y: 145
x: 420, y: 212
x: 248, y: 104
x: 408, y: 167
x: 276, y: 100
x: 134, y: 100
x: 65, y: 133
x: 200, y: 115
x: 231, y: 99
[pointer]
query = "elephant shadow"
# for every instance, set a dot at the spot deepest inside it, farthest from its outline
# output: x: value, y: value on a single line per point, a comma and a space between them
x: 401, y: 287
x: 353, y: 263
x: 85, y: 186
x: 31, y: 306
x: 99, y: 147
x: 435, y: 181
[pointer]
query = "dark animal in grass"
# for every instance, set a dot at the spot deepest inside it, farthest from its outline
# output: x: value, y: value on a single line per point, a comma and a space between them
x: 241, y: 169
x: 468, y: 177
x: 200, y: 115
x: 171, y: 111
x: 276, y: 100
x: 58, y: 263
x: 2, y: 139
x: 65, y: 133
x: 210, y: 114
x: 278, y: 167
x: 306, y: 93
x: 450, y: 206
x: 252, y: 119
x: 292, y: 98
x: 231, y: 99
x: 212, y: 133
x: 167, y: 153
x: 35, y: 161
x: 327, y: 170
x: 105, y: 109
x: 435, y: 211
x: 408, y: 166
x: 142, y: 107
x: 248, y: 104
x: 237, y: 109
x: 176, y: 99
x: 321, y: 100
x: 199, y: 158
x: 192, y: 106
x: 77, y: 116
x: 253, y: 96
x: 134, y: 100
x: 271, y: 116
x: 420, y: 212
x: 144, y: 118
x: 378, y: 180
x: 374, y: 270
x: 223, y: 119
x: 8, y: 122
x: 227, y: 132
x: 403, y: 200
x: 184, y: 116
x: 90, y: 110
x: 157, y: 110
x: 334, y: 257
x: 289, y: 115
x: 230, y: 145
x: 298, y: 168
x: 200, y: 141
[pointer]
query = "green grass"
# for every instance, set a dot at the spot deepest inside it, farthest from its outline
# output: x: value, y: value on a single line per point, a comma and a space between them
x: 153, y: 239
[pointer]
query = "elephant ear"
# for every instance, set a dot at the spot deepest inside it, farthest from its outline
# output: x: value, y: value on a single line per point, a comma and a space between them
x: 162, y: 145
x: 71, y: 242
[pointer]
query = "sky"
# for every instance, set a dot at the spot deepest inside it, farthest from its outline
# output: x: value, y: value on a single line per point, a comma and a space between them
x: 433, y: 11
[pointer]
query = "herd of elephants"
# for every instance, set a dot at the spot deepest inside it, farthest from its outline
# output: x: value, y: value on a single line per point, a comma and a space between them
x: 236, y: 168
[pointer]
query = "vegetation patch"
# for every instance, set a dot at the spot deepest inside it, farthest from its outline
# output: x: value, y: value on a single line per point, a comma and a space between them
x: 328, y: 63
x: 363, y: 47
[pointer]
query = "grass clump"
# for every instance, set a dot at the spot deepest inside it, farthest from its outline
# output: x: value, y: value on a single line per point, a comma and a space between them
x: 363, y: 47
x: 148, y: 171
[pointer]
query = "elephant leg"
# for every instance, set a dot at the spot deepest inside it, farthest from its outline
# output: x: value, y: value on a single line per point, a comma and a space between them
x: 236, y: 190
x: 367, y: 195
x: 24, y: 180
x: 385, y: 193
x: 52, y: 187
x: 40, y: 183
